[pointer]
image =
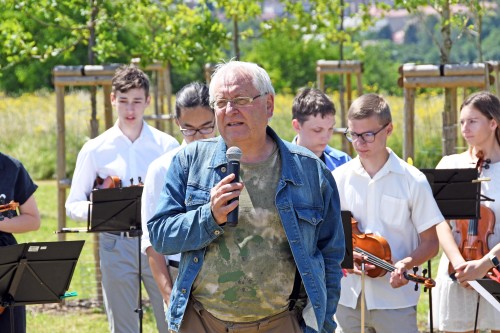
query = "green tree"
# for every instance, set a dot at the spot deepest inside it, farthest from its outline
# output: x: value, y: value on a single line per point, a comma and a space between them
x: 237, y: 12
x: 447, y: 20
x: 174, y: 34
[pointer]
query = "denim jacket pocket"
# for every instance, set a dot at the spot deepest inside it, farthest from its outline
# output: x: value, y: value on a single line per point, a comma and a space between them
x: 312, y: 216
x: 196, y: 197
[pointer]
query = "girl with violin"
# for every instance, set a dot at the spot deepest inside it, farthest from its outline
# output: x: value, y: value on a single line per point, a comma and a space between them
x: 455, y: 303
x: 391, y: 199
x: 16, y: 193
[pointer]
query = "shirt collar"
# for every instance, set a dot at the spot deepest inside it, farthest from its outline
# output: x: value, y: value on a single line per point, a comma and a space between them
x: 393, y: 164
x: 116, y: 132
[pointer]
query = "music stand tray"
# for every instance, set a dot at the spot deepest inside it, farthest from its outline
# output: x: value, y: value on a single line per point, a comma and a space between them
x: 36, y: 273
x: 115, y: 209
x: 457, y: 192
x: 489, y: 289
x: 346, y: 223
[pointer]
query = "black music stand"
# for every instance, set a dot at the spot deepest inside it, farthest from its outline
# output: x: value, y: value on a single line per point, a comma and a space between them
x: 115, y: 209
x: 458, y: 195
x: 348, y: 262
x: 457, y: 192
x: 36, y: 273
x: 490, y: 290
x: 119, y: 210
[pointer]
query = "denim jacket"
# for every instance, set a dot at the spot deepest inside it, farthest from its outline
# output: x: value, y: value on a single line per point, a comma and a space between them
x: 307, y: 201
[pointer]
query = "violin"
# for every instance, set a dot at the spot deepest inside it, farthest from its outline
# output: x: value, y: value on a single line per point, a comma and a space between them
x: 113, y: 182
x: 10, y: 206
x: 374, y: 244
x: 377, y: 252
x: 108, y: 182
x: 474, y: 233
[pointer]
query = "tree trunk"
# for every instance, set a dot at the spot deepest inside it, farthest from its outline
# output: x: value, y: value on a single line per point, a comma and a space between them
x: 236, y: 36
x: 94, y: 126
x: 94, y: 131
x: 450, y: 112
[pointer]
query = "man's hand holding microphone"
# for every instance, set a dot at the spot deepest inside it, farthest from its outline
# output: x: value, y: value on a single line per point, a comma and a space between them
x: 224, y: 196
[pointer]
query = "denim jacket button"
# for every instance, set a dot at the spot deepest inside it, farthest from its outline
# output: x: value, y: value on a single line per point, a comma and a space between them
x: 223, y: 169
x: 195, y: 259
x: 217, y: 232
x: 183, y: 290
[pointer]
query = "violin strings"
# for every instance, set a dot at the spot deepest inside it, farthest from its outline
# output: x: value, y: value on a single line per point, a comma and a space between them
x: 376, y: 260
x: 385, y: 265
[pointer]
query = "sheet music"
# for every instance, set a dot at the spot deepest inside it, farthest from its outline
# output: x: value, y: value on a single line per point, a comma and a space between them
x: 487, y: 296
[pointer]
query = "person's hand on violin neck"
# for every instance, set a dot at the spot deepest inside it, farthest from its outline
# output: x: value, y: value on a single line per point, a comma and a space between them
x: 398, y: 279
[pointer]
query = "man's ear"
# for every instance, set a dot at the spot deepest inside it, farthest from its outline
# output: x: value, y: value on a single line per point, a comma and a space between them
x: 296, y: 125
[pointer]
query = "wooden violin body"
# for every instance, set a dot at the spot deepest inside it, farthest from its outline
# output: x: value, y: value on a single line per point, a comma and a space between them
x: 474, y: 235
x: 10, y: 206
x: 376, y: 251
x: 108, y: 182
x: 376, y: 245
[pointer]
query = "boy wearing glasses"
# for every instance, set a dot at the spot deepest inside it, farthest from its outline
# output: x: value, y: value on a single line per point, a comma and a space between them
x: 392, y: 199
x: 196, y: 121
x: 314, y: 120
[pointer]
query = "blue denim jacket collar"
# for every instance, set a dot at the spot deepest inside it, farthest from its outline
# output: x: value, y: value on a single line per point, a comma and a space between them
x: 290, y: 172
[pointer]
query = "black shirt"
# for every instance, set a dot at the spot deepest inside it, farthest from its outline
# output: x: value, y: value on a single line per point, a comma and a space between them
x: 15, y: 184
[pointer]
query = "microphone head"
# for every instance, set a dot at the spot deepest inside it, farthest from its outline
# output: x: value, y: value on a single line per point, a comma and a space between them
x: 234, y: 154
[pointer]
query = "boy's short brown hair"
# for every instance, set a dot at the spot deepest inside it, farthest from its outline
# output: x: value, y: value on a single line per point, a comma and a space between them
x: 130, y: 77
x: 369, y: 105
x: 310, y: 102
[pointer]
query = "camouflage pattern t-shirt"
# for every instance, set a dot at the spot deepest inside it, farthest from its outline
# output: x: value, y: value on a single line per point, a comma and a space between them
x: 248, y: 273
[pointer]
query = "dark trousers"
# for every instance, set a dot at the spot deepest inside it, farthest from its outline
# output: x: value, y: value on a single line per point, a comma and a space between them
x: 19, y: 320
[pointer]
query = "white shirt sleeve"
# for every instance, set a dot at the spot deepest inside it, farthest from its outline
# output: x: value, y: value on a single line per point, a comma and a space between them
x: 77, y: 203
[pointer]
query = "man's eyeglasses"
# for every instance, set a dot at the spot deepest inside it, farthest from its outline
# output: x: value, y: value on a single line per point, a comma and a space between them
x: 221, y: 103
x: 192, y: 131
x: 367, y: 137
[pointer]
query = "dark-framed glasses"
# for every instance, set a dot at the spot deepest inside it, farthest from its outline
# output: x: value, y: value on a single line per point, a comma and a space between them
x: 367, y: 137
x: 221, y: 103
x: 192, y: 131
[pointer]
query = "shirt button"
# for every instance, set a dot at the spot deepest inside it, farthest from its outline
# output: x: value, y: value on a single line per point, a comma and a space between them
x: 314, y: 220
x: 217, y: 232
x: 195, y: 259
x: 183, y: 290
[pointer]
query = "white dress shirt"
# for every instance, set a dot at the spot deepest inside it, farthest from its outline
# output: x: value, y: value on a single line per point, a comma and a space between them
x: 397, y: 203
x: 153, y: 185
x: 113, y: 154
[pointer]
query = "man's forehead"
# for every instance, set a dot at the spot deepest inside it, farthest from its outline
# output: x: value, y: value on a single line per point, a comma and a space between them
x: 234, y: 86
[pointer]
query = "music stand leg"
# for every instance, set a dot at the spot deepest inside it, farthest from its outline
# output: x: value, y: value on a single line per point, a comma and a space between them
x: 362, y: 296
x: 139, y: 301
x: 431, y: 316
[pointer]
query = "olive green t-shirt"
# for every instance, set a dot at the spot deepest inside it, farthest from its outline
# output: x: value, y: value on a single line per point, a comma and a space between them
x: 248, y: 273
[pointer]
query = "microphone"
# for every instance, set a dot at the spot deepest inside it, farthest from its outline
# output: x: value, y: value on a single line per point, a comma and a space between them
x: 233, y: 155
